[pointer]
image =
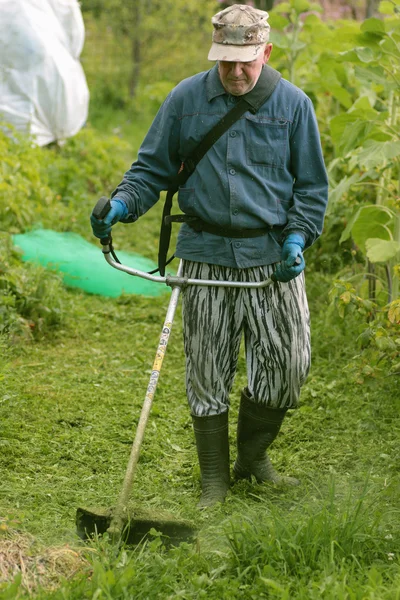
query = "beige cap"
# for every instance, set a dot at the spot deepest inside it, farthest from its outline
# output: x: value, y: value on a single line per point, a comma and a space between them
x: 240, y: 33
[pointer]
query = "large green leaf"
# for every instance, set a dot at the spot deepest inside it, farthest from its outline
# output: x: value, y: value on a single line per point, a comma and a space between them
x: 374, y: 74
x: 388, y: 7
x: 311, y: 21
x: 366, y: 55
x: 280, y: 40
x: 363, y: 104
x: 342, y: 73
x: 379, y: 250
x: 342, y: 188
x: 338, y: 124
x: 333, y: 73
x: 342, y: 95
x: 301, y: 6
x: 348, y: 56
x: 346, y: 35
x: 376, y: 26
x: 390, y: 46
x: 349, y: 130
x: 278, y: 21
x: 393, y: 23
x: 368, y: 39
x: 376, y: 153
x: 379, y: 135
x: 354, y: 134
x: 359, y: 55
x: 362, y: 231
x: 371, y: 221
x: 283, y: 7
x: 314, y: 6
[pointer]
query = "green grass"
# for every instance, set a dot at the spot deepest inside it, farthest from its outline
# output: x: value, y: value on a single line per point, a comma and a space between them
x: 69, y: 407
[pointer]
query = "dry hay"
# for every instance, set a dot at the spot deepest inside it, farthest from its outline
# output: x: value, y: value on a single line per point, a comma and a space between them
x: 21, y: 556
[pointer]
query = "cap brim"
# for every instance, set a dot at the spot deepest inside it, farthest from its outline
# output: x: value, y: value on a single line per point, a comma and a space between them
x: 235, y: 53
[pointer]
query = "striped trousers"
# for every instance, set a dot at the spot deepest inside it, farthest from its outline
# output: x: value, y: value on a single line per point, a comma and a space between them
x: 276, y: 328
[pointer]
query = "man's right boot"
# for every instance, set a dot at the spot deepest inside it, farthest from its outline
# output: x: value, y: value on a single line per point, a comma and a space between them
x: 257, y: 428
x: 212, y: 444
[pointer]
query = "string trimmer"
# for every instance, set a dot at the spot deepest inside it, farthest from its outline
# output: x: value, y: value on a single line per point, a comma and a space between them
x: 119, y: 522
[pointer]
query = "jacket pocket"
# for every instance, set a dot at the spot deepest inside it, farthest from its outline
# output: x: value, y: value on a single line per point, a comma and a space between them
x: 266, y: 142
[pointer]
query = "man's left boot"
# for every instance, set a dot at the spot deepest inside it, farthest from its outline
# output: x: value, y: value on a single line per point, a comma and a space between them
x: 257, y: 428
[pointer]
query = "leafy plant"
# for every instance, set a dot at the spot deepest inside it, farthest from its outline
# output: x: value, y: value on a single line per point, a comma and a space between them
x: 24, y: 192
x: 51, y: 188
x: 379, y: 342
x: 288, y: 21
x: 55, y: 187
x: 367, y: 144
x: 31, y: 298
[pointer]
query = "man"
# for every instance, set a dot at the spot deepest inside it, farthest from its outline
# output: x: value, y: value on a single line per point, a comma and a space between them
x: 260, y: 194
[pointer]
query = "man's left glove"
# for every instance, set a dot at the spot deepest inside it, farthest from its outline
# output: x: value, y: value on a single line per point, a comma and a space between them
x: 102, y: 229
x: 292, y: 263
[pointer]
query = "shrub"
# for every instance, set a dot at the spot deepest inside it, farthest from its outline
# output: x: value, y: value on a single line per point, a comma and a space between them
x: 31, y: 298
x: 54, y: 187
x: 24, y: 193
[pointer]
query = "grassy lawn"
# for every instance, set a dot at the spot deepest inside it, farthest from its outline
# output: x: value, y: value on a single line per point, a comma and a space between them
x: 69, y: 406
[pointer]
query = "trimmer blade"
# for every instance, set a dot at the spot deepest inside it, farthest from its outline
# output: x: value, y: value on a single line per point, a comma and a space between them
x: 90, y: 523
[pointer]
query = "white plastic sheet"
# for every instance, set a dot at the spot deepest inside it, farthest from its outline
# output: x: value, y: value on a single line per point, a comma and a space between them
x: 43, y: 87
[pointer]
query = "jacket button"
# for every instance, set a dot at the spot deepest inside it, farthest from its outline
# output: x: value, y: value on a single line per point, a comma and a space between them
x: 232, y: 171
x: 233, y: 134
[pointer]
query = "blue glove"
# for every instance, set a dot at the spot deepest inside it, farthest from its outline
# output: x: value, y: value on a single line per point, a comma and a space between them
x: 118, y: 211
x: 292, y: 263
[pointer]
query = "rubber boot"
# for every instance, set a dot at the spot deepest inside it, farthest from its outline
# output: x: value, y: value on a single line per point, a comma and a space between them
x: 257, y: 428
x: 212, y: 444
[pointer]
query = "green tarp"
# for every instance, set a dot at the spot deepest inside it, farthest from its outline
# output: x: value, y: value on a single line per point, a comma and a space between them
x: 83, y: 264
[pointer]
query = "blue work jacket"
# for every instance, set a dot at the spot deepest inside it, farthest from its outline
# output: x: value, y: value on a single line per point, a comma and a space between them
x: 267, y: 169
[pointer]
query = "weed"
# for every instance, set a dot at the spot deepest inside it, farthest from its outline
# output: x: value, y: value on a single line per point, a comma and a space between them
x: 31, y: 297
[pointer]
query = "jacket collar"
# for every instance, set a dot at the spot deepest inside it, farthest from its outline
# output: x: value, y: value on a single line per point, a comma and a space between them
x: 213, y: 84
x: 267, y: 76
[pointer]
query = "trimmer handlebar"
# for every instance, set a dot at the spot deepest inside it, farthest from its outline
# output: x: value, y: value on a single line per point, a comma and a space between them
x: 179, y: 280
x: 101, y: 210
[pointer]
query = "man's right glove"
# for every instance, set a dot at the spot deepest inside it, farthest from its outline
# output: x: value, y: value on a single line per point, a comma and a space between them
x: 102, y: 229
x: 292, y: 263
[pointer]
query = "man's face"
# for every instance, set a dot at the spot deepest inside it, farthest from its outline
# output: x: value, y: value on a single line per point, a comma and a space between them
x: 238, y: 78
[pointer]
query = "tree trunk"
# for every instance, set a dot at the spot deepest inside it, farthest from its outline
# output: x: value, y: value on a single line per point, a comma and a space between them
x: 260, y: 4
x: 264, y: 4
x: 370, y: 8
x: 135, y: 50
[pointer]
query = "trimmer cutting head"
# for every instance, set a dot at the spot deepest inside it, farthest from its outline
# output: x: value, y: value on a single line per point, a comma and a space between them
x: 90, y: 523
